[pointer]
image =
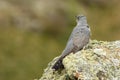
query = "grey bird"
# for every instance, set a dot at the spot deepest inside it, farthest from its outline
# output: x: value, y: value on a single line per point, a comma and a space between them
x: 78, y: 39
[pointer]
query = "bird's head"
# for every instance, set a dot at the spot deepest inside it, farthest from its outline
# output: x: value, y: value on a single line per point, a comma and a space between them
x: 80, y: 18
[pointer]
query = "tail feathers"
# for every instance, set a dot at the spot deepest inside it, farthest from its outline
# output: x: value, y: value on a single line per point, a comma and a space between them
x: 58, y: 65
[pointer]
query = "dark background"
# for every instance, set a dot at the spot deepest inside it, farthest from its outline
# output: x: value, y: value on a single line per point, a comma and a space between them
x: 33, y: 32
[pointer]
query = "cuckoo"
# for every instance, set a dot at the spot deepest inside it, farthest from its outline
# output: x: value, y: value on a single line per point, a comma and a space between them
x: 78, y: 39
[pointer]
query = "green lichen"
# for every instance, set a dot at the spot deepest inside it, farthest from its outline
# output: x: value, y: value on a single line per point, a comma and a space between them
x: 100, y: 60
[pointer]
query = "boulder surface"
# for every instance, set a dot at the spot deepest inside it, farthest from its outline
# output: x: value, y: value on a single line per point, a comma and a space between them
x: 99, y: 60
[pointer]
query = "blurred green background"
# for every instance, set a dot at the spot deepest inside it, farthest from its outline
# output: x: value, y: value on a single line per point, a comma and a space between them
x: 33, y: 32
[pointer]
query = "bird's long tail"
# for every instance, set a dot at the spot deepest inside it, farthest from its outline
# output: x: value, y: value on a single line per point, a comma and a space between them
x: 58, y: 64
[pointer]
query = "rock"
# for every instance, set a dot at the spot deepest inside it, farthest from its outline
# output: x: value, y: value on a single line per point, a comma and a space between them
x: 100, y: 60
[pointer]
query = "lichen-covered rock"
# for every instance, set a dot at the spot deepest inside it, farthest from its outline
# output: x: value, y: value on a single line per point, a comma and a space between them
x: 100, y: 60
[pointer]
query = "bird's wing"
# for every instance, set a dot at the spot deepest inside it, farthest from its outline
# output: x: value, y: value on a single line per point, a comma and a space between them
x: 71, y: 35
x: 68, y: 48
x: 69, y: 45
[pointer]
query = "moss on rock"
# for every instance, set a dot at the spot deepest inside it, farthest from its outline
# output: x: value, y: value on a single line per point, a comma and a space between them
x: 100, y: 60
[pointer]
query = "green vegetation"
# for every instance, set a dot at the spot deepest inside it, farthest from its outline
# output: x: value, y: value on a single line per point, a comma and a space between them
x: 24, y: 55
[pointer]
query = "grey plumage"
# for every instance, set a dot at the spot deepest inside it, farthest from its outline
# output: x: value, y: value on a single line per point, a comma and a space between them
x: 78, y: 39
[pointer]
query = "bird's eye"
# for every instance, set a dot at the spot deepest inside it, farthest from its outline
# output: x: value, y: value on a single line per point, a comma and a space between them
x: 87, y: 26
